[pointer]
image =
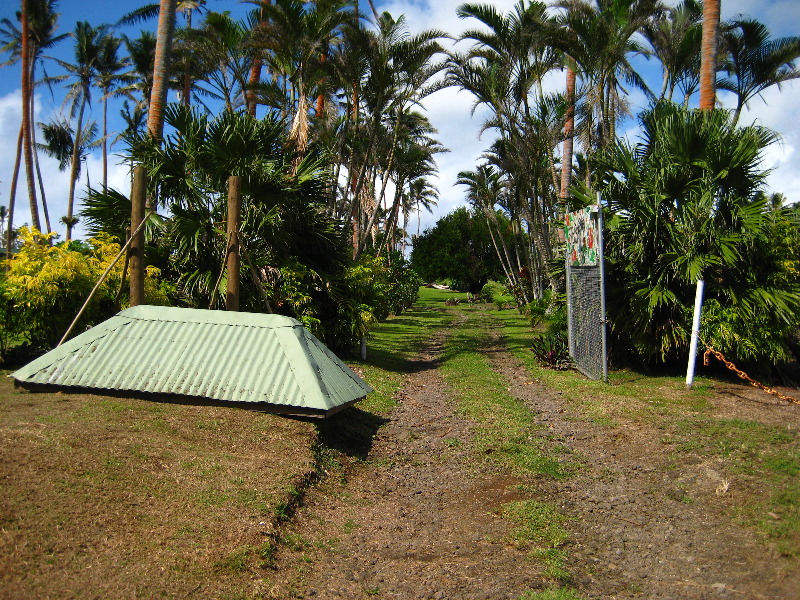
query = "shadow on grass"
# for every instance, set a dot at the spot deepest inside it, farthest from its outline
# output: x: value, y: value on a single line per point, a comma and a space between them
x: 351, y: 431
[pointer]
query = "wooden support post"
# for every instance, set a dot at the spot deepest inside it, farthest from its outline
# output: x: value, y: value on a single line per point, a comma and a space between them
x: 136, y: 251
x: 234, y: 221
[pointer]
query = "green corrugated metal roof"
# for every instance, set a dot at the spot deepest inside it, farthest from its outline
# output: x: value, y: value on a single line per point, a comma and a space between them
x: 269, y: 361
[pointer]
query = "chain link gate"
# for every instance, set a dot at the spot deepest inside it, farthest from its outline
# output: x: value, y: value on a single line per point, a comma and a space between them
x: 586, y: 302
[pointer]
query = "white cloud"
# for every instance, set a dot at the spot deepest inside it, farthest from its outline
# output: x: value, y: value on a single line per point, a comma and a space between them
x: 779, y: 111
x: 56, y: 183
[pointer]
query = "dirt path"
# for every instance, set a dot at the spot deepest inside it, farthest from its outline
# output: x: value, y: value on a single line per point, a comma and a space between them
x: 416, y: 518
x: 654, y: 525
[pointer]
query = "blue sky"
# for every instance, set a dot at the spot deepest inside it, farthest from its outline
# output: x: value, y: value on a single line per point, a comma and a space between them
x: 448, y: 110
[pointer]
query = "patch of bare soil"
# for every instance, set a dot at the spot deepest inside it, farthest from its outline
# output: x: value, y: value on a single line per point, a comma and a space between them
x: 415, y: 519
x: 415, y: 516
x: 650, y: 524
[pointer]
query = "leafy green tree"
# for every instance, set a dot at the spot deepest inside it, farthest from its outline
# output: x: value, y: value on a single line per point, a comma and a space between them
x: 687, y: 204
x: 458, y: 248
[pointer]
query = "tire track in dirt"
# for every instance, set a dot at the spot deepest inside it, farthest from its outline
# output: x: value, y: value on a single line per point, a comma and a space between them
x: 416, y: 519
x: 647, y: 525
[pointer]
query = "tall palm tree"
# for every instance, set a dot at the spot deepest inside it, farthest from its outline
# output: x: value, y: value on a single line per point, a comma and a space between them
x: 601, y: 38
x: 59, y: 143
x: 141, y: 53
x: 675, y: 36
x: 504, y: 71
x: 422, y: 195
x: 111, y: 82
x: 158, y: 97
x: 27, y: 86
x: 401, y: 72
x: 413, y: 150
x: 485, y: 189
x: 149, y: 11
x: 225, y: 59
x: 82, y: 75
x: 754, y: 62
x: 297, y: 35
x: 42, y: 22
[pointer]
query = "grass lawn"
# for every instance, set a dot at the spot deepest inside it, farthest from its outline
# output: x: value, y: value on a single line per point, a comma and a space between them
x: 121, y: 498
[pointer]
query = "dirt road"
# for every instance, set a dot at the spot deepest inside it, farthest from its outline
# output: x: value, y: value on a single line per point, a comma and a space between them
x: 413, y: 513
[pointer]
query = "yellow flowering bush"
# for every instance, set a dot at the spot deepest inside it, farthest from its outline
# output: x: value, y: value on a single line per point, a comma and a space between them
x: 45, y: 286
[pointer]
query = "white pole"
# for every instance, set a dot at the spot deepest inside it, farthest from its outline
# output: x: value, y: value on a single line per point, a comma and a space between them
x: 698, y: 305
x: 601, y: 265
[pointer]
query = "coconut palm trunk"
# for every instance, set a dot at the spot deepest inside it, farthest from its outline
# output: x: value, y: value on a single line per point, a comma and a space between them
x: 155, y: 126
x: 27, y: 143
x: 708, y: 54
x: 569, y: 130
x: 12, y: 196
x: 158, y: 97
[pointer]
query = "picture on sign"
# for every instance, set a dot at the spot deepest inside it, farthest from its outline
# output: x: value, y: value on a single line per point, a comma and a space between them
x: 582, y: 237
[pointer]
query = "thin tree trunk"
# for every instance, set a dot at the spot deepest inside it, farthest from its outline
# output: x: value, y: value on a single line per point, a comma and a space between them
x: 105, y: 140
x: 136, y: 249
x: 490, y: 211
x: 511, y: 281
x: 39, y: 177
x: 12, y: 196
x: 232, y: 257
x: 26, y: 113
x: 569, y: 137
x: 155, y: 127
x: 73, y: 171
x: 389, y: 165
x: 186, y: 88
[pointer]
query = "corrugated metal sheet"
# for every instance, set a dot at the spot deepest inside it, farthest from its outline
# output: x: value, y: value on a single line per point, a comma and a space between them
x: 217, y: 355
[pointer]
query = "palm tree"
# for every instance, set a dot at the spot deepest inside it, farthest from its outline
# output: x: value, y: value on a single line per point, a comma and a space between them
x: 225, y: 60
x: 42, y: 20
x: 503, y: 70
x: 754, y: 62
x: 111, y: 82
x: 688, y: 203
x: 675, y: 36
x: 401, y: 68
x: 601, y: 38
x: 83, y: 74
x: 422, y: 195
x: 485, y: 189
x: 413, y: 150
x: 149, y: 11
x: 141, y: 53
x: 297, y: 35
x: 59, y: 142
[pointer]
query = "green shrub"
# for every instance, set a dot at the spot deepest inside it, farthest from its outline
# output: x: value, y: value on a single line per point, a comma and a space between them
x: 552, y: 351
x: 45, y: 287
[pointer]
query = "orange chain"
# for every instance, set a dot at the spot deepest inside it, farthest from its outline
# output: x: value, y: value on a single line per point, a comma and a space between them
x: 745, y: 376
